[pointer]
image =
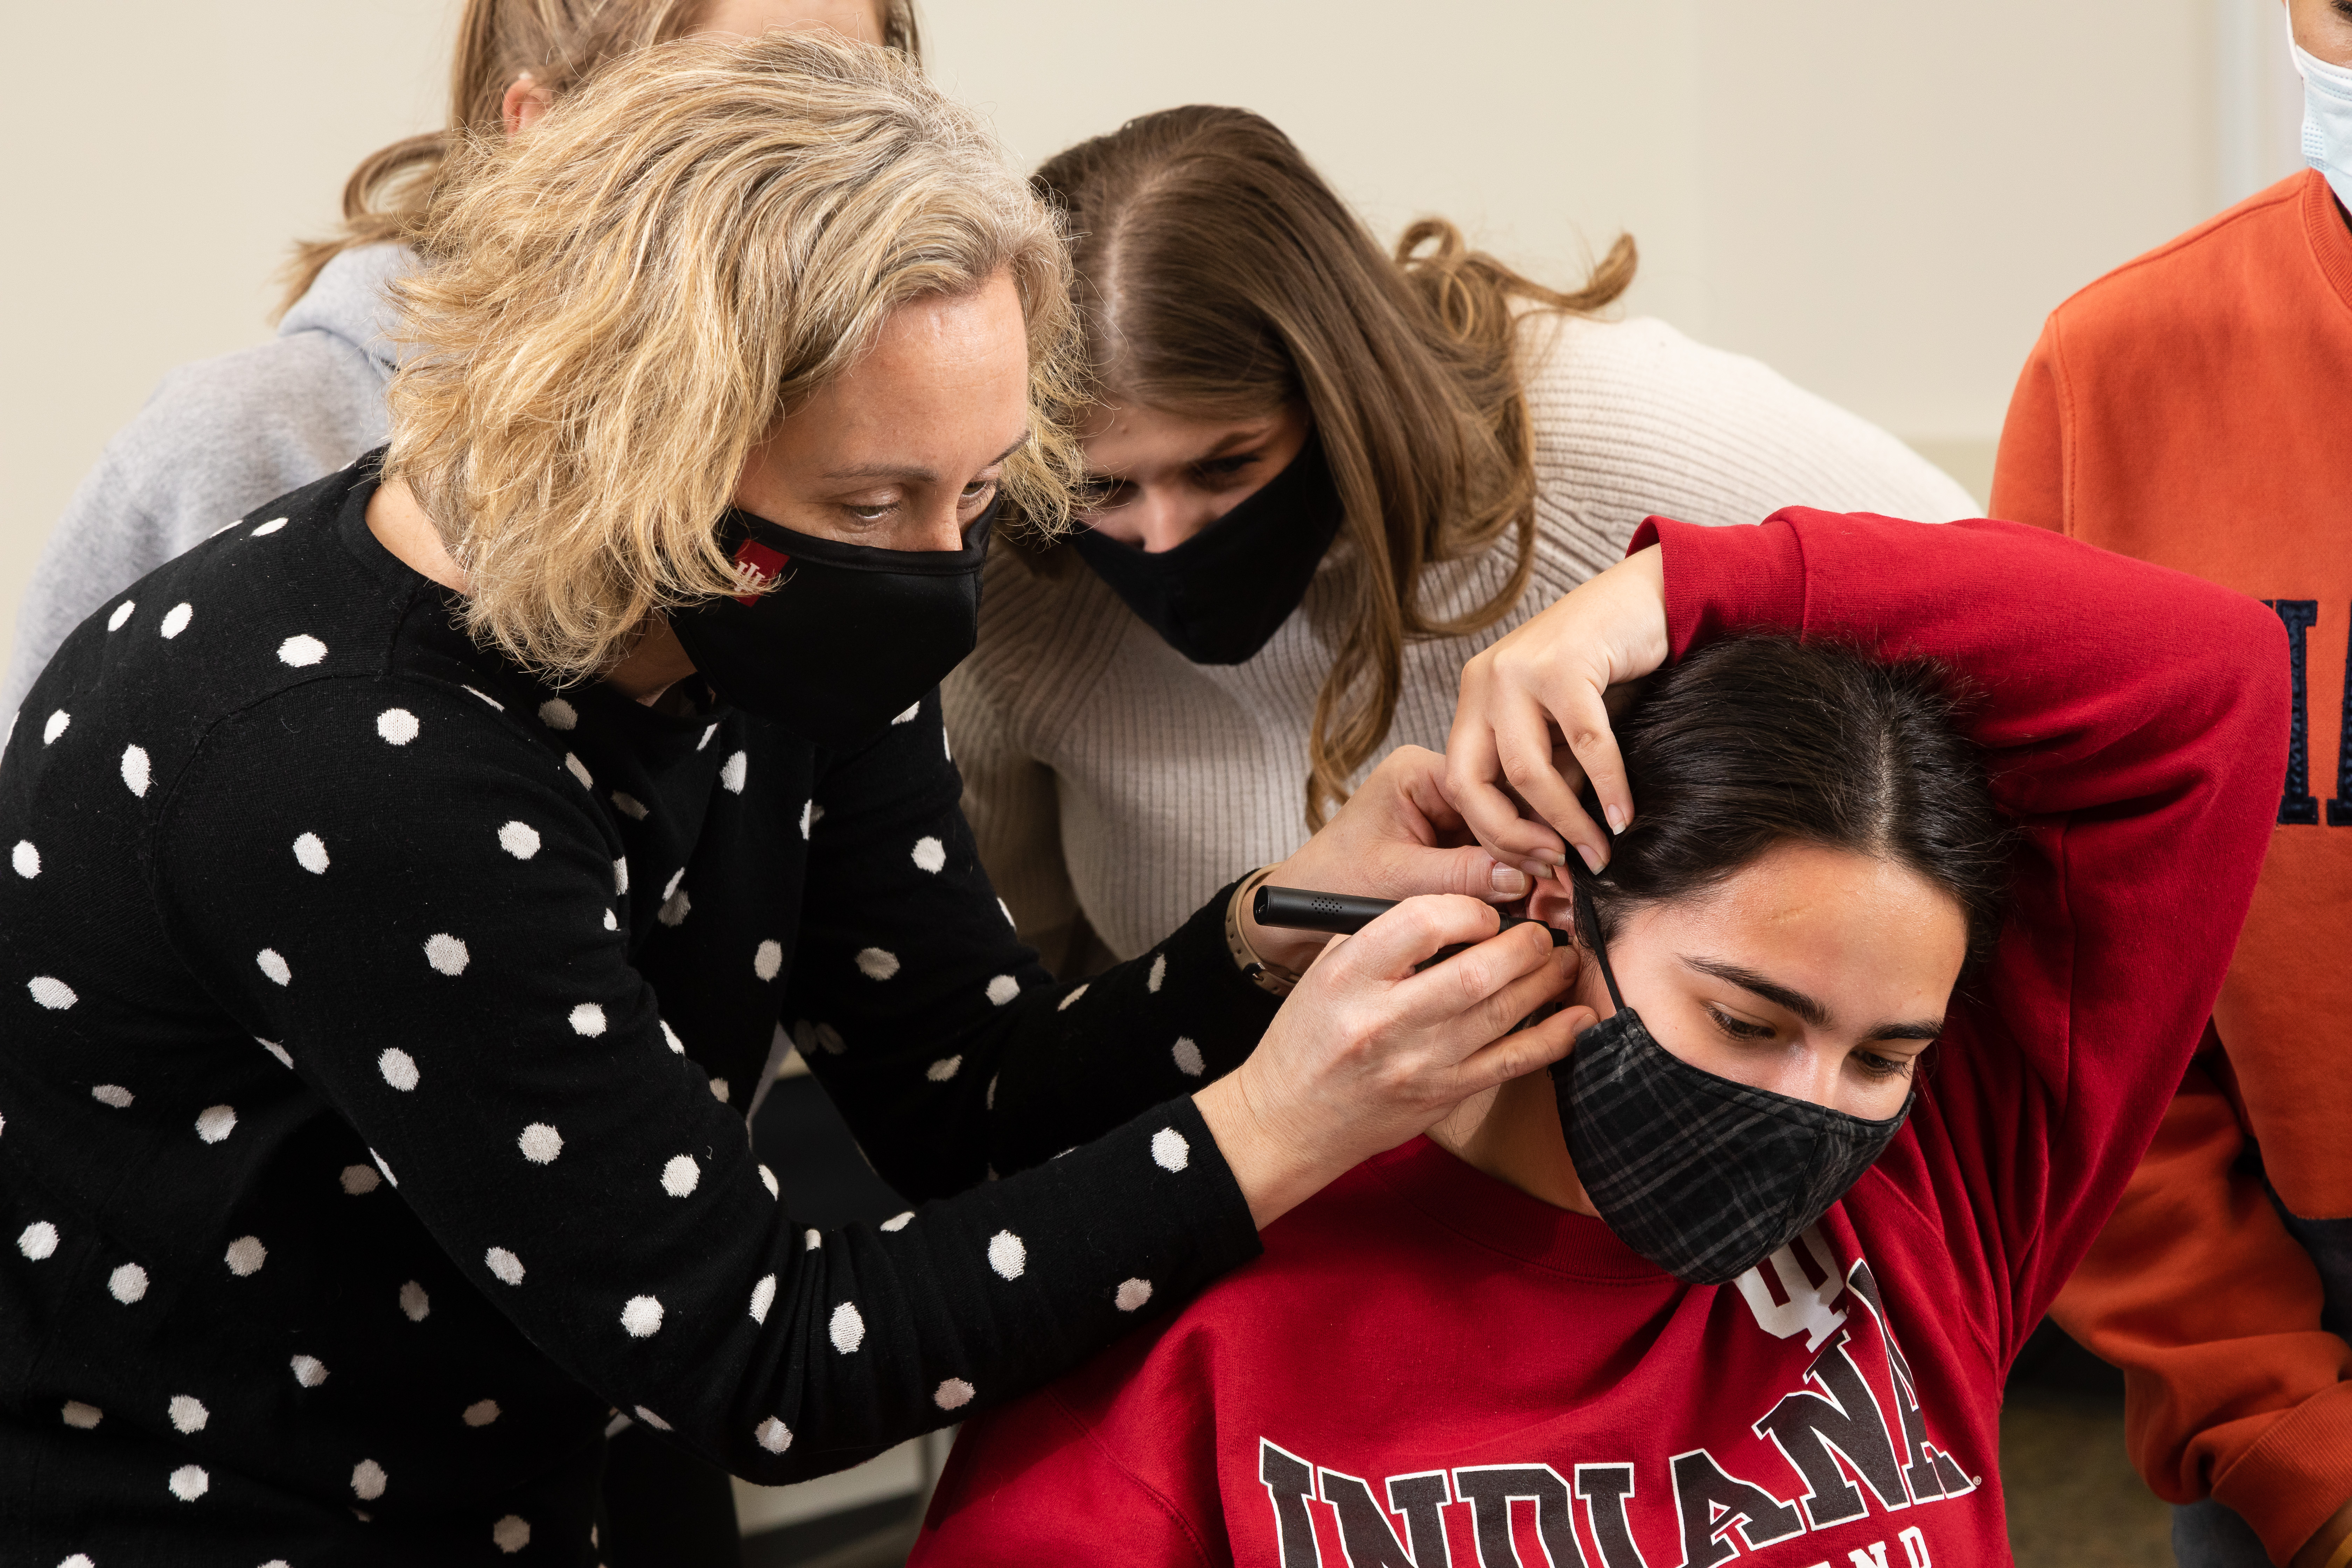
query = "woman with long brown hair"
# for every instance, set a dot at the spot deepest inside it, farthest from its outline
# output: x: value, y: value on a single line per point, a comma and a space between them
x: 1325, y: 475
x: 227, y: 434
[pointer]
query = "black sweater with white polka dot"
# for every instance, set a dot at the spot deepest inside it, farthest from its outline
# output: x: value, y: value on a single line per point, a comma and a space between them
x: 376, y: 1024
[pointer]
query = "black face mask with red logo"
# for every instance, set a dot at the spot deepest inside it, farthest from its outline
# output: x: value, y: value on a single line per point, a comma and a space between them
x: 848, y: 637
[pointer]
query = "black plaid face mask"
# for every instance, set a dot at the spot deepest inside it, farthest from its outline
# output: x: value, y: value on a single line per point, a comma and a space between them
x: 1703, y: 1176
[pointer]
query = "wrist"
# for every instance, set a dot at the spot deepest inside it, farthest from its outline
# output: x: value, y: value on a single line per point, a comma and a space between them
x: 1275, y: 1174
x: 1287, y: 953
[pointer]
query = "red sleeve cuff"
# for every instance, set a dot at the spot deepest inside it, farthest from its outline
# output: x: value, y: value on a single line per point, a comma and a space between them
x: 1724, y: 580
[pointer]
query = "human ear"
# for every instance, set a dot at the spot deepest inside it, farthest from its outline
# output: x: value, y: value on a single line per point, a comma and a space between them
x: 1553, y: 904
x: 525, y: 101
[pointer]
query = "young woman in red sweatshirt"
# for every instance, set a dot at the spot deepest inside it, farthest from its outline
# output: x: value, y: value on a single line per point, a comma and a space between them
x: 1741, y: 1277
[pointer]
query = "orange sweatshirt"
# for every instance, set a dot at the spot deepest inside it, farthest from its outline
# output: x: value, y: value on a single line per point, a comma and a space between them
x: 2194, y: 408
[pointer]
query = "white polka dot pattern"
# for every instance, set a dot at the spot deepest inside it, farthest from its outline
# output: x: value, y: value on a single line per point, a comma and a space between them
x: 415, y: 1304
x: 652, y: 1420
x: 930, y: 855
x: 112, y: 1094
x: 398, y: 1067
x: 301, y: 651
x: 272, y: 526
x: 847, y: 1329
x: 670, y: 1037
x: 246, y: 1255
x: 121, y: 613
x: 909, y: 716
x: 447, y: 953
x: 81, y: 1417
x: 1169, y: 1151
x: 642, y: 1317
x: 1004, y: 989
x: 876, y: 964
x: 945, y: 1068
x: 812, y: 1240
x: 127, y: 1284
x: 384, y: 1168
x: 1007, y: 1255
x: 735, y: 773
x: 680, y: 1176
x: 176, y: 619
x: 763, y: 1296
x: 620, y: 873
x: 675, y: 909
x: 358, y: 1180
x: 55, y: 727
x: 480, y: 1413
x: 718, y: 1090
x: 512, y: 1534
x: 520, y: 839
x: 769, y: 960
x: 368, y: 1481
x: 630, y: 807
x: 1132, y: 1294
x: 26, y: 859
x: 808, y: 817
x: 579, y: 771
x: 899, y: 1221
x: 51, y: 993
x: 309, y: 1371
x: 284, y: 1059
x: 707, y: 733
x: 773, y: 1435
x: 190, y: 1482
x: 504, y: 1265
x: 540, y: 1143
x: 496, y: 705
x: 1063, y: 1005
x: 557, y: 714
x: 588, y: 1019
x: 952, y: 1395
x: 310, y: 854
x: 134, y: 770
x: 215, y: 1122
x: 274, y: 966
x: 397, y: 726
x: 768, y: 1179
x: 38, y: 1241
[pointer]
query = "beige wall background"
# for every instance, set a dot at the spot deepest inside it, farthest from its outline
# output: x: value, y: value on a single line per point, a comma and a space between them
x: 1880, y: 197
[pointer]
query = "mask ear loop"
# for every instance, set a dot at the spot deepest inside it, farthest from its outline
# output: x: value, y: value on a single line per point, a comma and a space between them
x: 1588, y: 926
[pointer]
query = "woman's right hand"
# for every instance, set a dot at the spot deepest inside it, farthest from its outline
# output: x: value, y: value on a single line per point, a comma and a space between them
x: 1367, y: 1053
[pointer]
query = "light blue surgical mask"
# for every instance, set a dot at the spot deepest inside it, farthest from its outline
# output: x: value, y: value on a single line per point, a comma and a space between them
x: 2326, y: 119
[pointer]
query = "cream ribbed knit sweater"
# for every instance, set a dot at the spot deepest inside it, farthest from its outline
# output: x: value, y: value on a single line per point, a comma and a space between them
x: 1115, y: 785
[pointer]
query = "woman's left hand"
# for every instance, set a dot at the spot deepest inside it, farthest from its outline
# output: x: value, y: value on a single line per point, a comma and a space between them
x: 1397, y: 836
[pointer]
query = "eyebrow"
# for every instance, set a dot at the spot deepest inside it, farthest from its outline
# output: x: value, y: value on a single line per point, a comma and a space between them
x: 1231, y: 441
x: 1804, y: 1007
x: 915, y: 475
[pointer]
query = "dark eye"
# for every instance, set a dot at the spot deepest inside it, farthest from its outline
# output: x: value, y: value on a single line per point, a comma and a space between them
x: 1224, y: 467
x: 1884, y: 1067
x: 977, y: 489
x: 1739, y: 1029
x: 1102, y: 495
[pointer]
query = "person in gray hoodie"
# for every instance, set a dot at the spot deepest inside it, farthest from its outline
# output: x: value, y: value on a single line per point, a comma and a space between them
x: 220, y: 437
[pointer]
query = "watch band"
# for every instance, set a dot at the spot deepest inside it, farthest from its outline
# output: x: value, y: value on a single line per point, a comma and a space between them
x: 1271, y: 978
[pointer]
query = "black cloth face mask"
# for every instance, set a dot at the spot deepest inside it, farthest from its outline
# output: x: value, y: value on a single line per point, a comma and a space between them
x: 1222, y: 594
x: 851, y: 638
x: 1703, y: 1176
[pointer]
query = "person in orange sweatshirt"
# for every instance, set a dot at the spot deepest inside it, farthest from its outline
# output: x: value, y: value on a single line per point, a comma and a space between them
x: 2194, y: 408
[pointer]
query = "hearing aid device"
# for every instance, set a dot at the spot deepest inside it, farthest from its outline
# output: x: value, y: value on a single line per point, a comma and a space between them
x: 1345, y: 914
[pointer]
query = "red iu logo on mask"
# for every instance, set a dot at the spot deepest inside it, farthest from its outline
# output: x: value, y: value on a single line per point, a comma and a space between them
x: 761, y: 563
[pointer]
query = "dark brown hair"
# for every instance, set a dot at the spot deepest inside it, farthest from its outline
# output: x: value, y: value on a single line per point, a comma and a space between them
x: 1220, y: 276
x: 559, y: 42
x: 1763, y: 739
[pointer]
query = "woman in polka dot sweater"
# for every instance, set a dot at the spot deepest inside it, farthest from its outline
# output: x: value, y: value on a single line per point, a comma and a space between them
x: 403, y: 882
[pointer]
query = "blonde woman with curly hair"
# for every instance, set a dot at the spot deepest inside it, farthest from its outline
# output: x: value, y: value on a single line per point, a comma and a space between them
x: 408, y: 880
x: 1325, y: 475
x: 223, y: 435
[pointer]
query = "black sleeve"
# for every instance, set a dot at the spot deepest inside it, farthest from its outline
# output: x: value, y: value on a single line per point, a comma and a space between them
x: 949, y: 1048
x: 427, y: 930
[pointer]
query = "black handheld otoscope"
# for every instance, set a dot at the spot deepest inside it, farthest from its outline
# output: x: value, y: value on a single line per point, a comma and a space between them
x: 1345, y: 914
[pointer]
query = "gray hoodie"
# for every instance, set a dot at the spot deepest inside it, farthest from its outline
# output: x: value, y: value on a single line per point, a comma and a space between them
x: 217, y: 440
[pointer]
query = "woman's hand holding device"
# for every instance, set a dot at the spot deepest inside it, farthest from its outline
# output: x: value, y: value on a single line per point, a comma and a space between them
x: 1368, y: 1051
x: 1396, y: 836
x: 1544, y: 681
